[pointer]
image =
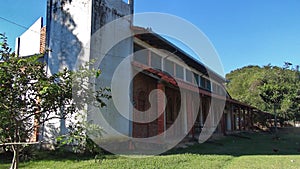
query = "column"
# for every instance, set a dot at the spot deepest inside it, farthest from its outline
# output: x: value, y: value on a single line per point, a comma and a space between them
x: 160, y: 106
x: 183, y: 100
x: 232, y: 117
x: 189, y: 112
x: 201, y: 112
x: 251, y: 118
x: 244, y: 117
x: 239, y: 118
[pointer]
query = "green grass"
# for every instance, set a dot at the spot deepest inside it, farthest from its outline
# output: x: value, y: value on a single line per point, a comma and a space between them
x: 248, y: 144
x: 254, y: 150
x: 188, y: 161
x: 264, y: 161
x: 170, y: 161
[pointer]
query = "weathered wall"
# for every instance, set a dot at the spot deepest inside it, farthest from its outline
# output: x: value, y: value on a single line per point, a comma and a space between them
x: 69, y: 27
x: 104, y: 16
x: 68, y: 32
x: 73, y: 37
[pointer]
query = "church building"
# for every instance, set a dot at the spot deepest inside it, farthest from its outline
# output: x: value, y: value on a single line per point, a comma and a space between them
x: 171, y: 94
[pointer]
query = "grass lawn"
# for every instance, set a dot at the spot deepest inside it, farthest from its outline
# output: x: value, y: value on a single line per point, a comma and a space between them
x: 256, y: 150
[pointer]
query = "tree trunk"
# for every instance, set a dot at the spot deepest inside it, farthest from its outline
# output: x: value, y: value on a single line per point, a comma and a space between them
x: 15, y: 160
x: 16, y: 147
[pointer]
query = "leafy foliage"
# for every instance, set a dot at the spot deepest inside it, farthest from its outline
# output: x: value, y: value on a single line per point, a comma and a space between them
x: 5, y: 50
x: 81, y: 131
x: 244, y: 85
x: 79, y: 136
x: 262, y: 87
x: 29, y: 98
x: 274, y: 85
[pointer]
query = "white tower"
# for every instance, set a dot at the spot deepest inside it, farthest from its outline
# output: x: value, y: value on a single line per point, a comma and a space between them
x: 71, y: 24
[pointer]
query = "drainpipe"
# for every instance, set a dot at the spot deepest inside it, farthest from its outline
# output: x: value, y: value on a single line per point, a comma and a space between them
x: 131, y: 5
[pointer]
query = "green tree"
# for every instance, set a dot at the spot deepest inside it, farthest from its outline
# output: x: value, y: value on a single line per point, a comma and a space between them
x: 27, y: 94
x: 292, y: 102
x: 18, y: 101
x: 5, y: 50
x: 273, y: 89
x: 281, y: 84
x: 274, y: 86
x: 80, y: 132
x: 244, y: 83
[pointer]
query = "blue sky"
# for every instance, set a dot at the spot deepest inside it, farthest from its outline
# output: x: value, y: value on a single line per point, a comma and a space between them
x: 256, y: 32
x: 22, y: 13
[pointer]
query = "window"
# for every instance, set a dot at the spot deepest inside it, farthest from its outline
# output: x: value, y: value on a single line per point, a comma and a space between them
x: 219, y: 90
x: 155, y: 61
x: 179, y: 71
x: 222, y: 91
x: 215, y: 87
x: 140, y: 54
x: 196, y: 79
x: 188, y: 76
x: 208, y: 85
x: 202, y: 83
x: 169, y: 67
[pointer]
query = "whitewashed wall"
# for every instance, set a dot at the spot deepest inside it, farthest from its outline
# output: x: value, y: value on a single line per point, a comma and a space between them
x: 69, y: 31
x: 29, y: 42
x: 110, y: 118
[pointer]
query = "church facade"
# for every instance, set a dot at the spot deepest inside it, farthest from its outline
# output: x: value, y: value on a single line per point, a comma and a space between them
x: 186, y: 98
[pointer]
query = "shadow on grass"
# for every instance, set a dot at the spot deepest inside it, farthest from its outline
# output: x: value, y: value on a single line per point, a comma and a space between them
x: 262, y: 143
x: 57, y: 155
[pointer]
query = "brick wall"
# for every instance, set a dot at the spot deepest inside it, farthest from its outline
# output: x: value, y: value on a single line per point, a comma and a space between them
x: 43, y: 40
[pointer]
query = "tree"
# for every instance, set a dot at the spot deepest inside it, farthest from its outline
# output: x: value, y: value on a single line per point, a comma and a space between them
x: 272, y: 94
x: 292, y: 103
x: 280, y: 86
x: 19, y: 100
x: 5, y: 50
x: 80, y: 132
x: 244, y: 83
x: 29, y: 98
x: 278, y: 90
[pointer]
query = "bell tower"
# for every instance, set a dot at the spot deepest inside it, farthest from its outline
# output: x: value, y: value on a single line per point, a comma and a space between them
x: 72, y: 34
x: 71, y: 23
